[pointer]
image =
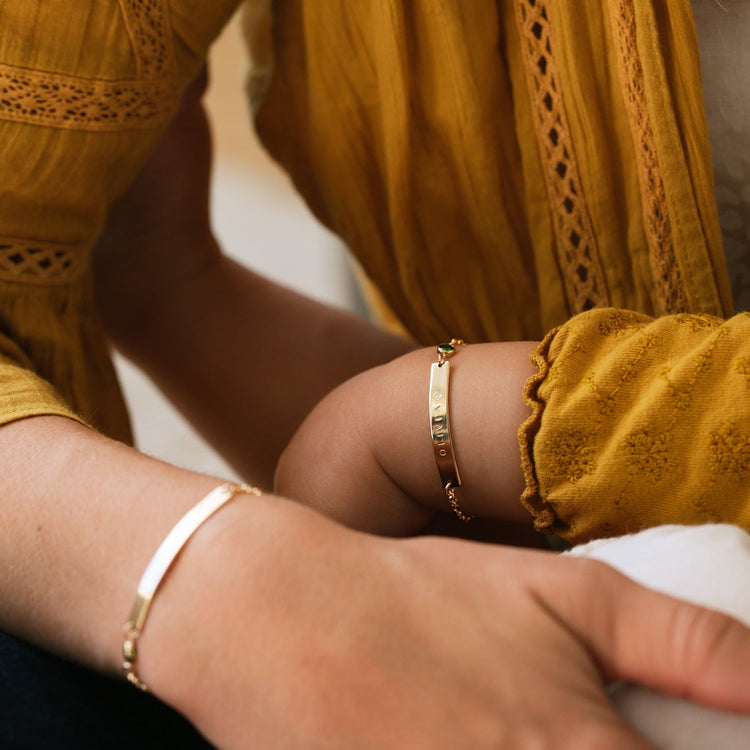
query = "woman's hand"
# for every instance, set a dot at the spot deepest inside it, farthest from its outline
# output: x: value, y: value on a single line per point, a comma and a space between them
x: 280, y: 629
x: 364, y: 454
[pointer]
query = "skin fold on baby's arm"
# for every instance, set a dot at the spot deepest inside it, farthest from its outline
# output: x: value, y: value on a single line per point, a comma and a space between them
x: 364, y: 454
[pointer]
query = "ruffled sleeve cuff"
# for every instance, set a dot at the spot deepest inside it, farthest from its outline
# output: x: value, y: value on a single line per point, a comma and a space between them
x: 542, y: 511
x: 638, y: 422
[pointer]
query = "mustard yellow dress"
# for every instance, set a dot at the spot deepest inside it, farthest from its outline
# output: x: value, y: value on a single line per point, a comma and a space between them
x: 523, y: 169
x: 86, y: 88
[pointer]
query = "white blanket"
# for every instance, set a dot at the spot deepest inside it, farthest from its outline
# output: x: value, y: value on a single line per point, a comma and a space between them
x: 708, y: 565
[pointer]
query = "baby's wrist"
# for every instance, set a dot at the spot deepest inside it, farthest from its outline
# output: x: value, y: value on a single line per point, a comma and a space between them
x: 400, y: 432
x: 485, y: 411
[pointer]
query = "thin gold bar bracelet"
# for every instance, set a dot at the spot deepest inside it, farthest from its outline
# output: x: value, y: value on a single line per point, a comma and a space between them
x: 160, y: 563
x: 440, y: 426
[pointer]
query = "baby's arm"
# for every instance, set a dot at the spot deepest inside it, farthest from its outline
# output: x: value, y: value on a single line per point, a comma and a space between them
x: 365, y: 457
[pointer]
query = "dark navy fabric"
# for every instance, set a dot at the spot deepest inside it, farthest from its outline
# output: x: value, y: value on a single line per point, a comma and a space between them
x: 48, y: 703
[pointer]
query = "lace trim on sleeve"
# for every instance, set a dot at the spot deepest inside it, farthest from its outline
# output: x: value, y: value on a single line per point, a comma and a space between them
x: 40, y: 262
x: 670, y: 295
x: 147, y: 22
x: 65, y: 101
x: 578, y: 255
x: 70, y: 102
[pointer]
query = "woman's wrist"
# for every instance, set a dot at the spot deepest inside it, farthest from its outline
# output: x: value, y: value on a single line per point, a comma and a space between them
x: 84, y: 515
x: 222, y: 627
x: 193, y: 601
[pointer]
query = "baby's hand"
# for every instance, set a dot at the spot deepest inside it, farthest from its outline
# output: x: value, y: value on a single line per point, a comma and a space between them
x: 364, y: 455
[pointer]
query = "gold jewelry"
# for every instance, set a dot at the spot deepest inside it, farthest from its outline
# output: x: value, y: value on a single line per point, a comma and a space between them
x: 440, y: 426
x: 160, y: 563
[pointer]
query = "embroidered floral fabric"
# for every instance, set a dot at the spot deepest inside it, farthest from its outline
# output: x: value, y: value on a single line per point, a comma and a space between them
x: 645, y: 422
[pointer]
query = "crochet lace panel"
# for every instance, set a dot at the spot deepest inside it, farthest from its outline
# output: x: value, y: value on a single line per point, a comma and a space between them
x: 64, y: 101
x: 67, y: 102
x: 576, y: 246
x: 39, y: 262
x: 670, y: 296
x: 148, y: 26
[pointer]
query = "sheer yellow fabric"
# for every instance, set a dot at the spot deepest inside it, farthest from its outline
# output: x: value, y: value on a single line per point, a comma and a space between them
x: 86, y: 88
x: 500, y: 168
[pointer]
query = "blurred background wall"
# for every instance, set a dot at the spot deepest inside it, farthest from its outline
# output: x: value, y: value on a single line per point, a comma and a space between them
x: 260, y: 220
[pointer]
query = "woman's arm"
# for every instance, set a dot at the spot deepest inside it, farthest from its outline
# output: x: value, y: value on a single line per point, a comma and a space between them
x: 242, y: 357
x: 274, y: 612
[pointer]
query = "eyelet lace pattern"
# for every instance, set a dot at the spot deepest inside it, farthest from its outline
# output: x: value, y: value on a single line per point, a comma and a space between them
x: 39, y: 262
x: 670, y: 295
x: 576, y: 243
x: 63, y: 101
x: 147, y: 22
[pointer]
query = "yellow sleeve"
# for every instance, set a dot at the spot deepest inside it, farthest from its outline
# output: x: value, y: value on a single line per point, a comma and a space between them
x: 23, y: 394
x: 638, y: 422
x: 87, y: 88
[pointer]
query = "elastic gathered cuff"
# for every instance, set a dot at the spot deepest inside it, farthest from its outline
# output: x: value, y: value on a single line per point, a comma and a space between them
x: 545, y: 520
x: 638, y: 422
